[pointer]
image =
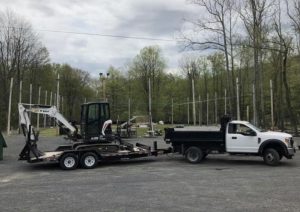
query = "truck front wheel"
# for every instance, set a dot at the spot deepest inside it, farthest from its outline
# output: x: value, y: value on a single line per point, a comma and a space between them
x: 271, y: 157
x: 194, y: 154
x: 68, y: 161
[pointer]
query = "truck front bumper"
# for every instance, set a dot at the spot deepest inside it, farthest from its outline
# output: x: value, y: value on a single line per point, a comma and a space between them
x: 291, y: 152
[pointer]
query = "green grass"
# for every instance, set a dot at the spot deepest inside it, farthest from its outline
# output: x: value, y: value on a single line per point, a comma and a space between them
x: 48, y: 132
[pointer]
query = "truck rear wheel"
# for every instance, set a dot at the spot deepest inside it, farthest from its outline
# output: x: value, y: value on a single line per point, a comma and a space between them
x: 68, y: 161
x: 271, y: 157
x: 89, y: 160
x: 194, y: 154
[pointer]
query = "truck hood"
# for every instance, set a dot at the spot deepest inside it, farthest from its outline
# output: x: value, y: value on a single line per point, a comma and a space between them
x: 273, y: 134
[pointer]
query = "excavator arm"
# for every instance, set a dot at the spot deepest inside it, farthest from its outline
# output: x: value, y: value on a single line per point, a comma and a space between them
x: 50, y: 111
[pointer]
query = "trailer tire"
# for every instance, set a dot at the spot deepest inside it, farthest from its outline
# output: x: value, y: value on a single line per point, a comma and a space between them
x: 194, y: 154
x: 89, y: 160
x: 68, y: 161
x: 271, y: 157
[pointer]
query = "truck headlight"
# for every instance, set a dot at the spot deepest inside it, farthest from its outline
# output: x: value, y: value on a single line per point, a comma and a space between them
x: 287, y: 141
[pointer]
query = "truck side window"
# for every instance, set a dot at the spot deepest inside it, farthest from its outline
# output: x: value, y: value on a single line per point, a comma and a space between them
x: 239, y: 129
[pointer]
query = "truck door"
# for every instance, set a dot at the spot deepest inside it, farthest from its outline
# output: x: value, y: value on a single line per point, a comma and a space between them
x: 241, y: 138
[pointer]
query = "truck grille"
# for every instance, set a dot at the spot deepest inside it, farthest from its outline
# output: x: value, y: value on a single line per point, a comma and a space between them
x: 292, y: 142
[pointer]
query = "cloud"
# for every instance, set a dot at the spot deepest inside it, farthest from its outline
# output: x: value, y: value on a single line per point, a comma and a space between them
x: 147, y: 18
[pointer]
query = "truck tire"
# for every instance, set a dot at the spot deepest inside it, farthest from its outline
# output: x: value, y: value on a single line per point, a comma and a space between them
x: 271, y: 157
x: 89, y: 160
x: 194, y: 154
x: 68, y: 161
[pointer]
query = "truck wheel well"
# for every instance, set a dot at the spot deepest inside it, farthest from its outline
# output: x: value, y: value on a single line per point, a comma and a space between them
x: 275, y: 146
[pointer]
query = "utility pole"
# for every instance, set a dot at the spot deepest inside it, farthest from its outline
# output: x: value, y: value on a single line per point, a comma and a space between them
x: 9, y: 105
x: 20, y: 101
x: 38, y: 115
x: 207, y: 104
x: 238, y: 100
x: 194, y: 104
x: 45, y: 117
x: 272, y: 107
x: 172, y: 118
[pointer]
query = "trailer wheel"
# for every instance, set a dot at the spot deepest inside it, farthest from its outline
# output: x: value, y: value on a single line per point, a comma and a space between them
x: 89, y: 160
x: 271, y: 157
x: 194, y: 154
x: 68, y: 161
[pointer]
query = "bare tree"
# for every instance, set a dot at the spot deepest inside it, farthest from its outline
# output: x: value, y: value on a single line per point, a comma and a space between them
x: 20, y: 50
x: 255, y: 14
x: 218, y: 24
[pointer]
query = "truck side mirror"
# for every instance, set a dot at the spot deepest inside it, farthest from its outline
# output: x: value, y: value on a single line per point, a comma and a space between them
x: 249, y: 133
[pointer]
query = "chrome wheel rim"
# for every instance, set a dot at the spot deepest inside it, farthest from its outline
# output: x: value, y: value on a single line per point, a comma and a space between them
x: 69, y: 162
x: 89, y: 161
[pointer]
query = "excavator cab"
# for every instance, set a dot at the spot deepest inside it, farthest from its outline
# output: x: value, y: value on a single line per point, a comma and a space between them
x: 93, y: 116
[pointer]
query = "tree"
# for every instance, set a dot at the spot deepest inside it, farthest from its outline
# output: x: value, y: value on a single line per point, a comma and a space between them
x: 149, y: 64
x: 255, y: 15
x: 218, y: 23
x: 20, y: 52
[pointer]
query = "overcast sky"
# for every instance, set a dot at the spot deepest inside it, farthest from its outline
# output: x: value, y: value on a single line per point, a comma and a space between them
x: 140, y: 18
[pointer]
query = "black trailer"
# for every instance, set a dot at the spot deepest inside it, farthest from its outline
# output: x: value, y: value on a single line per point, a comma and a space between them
x: 87, y: 155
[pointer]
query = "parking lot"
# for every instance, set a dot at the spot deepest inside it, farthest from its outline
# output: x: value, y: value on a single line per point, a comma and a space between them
x: 164, y: 183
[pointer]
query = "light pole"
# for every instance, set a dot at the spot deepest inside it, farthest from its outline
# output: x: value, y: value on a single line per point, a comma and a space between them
x: 103, y: 84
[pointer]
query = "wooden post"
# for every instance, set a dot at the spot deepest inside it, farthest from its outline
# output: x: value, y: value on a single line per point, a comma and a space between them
x: 216, y: 108
x: 248, y: 113
x: 238, y: 100
x: 30, y: 99
x: 194, y: 106
x: 9, y: 105
x: 254, y: 107
x: 150, y: 108
x: 272, y: 107
x: 172, y: 111
x: 50, y: 120
x: 200, y: 111
x: 188, y: 110
x: 129, y: 108
x: 207, y: 105
x: 20, y: 101
x: 38, y: 115
x: 57, y: 93
x: 225, y: 103
x: 45, y: 117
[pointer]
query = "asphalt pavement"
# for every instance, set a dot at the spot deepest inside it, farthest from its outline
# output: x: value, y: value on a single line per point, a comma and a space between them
x: 164, y: 183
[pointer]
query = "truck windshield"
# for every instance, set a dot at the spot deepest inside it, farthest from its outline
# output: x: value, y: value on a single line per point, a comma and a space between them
x: 255, y: 128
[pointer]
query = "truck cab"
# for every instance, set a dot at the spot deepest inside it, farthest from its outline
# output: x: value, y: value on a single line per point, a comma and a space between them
x: 243, y: 137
